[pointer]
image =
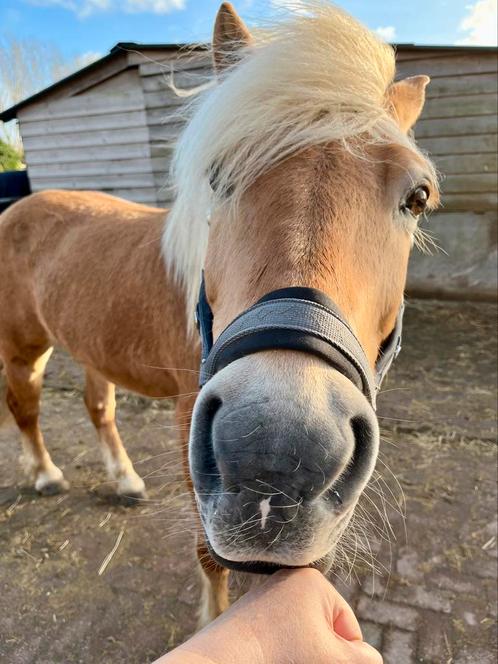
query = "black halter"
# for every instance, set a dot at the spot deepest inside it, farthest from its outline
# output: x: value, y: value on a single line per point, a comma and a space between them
x: 303, y: 319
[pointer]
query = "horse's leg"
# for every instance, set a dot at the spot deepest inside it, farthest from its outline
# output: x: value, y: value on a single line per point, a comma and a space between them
x: 101, y: 405
x: 214, y: 588
x: 24, y: 376
x: 214, y: 578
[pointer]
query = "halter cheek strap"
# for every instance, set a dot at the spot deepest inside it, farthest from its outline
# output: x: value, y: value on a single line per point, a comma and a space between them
x: 301, y: 319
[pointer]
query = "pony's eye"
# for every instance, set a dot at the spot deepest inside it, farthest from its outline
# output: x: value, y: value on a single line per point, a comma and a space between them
x: 416, y: 201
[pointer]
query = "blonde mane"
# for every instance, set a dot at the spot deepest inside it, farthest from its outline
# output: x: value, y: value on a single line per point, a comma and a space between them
x: 318, y: 77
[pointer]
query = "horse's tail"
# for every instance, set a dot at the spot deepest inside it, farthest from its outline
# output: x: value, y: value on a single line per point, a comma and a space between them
x: 5, y: 415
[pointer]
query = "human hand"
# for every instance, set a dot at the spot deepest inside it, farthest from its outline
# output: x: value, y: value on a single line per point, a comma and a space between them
x: 296, y: 617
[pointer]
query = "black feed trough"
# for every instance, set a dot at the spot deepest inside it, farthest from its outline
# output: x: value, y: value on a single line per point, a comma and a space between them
x: 13, y: 186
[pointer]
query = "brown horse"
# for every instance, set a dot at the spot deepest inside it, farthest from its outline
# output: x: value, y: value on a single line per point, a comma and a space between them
x: 296, y: 169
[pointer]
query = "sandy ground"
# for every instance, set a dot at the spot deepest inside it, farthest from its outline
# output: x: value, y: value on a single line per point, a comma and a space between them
x: 437, y: 472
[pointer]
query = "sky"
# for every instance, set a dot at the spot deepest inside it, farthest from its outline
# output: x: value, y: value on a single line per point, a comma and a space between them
x: 89, y: 28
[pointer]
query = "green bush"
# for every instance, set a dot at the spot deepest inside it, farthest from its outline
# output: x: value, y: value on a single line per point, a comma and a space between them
x: 10, y: 158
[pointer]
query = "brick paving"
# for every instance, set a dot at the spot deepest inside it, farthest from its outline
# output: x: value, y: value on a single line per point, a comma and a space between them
x: 433, y: 597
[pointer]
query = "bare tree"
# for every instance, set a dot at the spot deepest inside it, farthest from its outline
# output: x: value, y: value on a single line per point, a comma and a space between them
x: 29, y: 65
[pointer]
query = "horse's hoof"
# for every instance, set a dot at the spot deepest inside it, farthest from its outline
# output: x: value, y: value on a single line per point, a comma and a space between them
x: 131, y: 490
x: 132, y: 499
x: 51, y: 481
x: 53, y: 488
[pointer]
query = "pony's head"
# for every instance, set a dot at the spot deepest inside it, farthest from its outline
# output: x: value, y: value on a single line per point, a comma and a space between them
x: 297, y: 169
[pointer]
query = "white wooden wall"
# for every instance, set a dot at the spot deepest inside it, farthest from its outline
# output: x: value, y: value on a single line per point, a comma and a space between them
x: 118, y: 134
x: 98, y: 139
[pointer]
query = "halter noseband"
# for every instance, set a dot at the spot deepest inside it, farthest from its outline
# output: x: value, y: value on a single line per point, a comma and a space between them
x: 303, y: 319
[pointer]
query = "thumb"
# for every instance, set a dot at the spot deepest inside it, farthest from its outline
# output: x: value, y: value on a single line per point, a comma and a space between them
x: 345, y: 622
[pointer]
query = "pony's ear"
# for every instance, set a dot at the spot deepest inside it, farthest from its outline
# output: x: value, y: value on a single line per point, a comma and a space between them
x: 406, y: 99
x: 229, y: 36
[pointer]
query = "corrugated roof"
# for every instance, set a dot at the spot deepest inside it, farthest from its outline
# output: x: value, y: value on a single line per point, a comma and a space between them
x: 123, y: 47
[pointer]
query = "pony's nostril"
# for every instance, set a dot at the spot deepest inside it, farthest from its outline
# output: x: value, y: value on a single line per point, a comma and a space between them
x: 346, y: 487
x: 213, y: 404
x: 363, y: 435
x: 206, y: 467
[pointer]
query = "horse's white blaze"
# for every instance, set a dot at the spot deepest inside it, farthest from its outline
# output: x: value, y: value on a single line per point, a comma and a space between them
x: 265, y: 508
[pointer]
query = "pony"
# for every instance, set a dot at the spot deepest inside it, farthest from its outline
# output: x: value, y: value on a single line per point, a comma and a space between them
x: 298, y: 168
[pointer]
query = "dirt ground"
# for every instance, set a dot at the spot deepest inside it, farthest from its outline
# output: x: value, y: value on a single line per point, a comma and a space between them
x: 431, y: 598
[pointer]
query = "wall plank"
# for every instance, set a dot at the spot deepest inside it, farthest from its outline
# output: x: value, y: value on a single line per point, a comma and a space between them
x: 56, y: 125
x: 474, y: 183
x: 83, y: 106
x: 158, y: 150
x: 183, y: 80
x: 462, y: 85
x: 88, y: 139
x: 161, y: 162
x: 99, y: 182
x: 458, y: 106
x: 469, y: 163
x: 459, y: 144
x: 167, y: 132
x: 164, y: 99
x: 115, y: 167
x: 165, y: 115
x: 182, y: 63
x: 449, y: 65
x: 102, y: 153
x: 466, y: 202
x: 459, y: 126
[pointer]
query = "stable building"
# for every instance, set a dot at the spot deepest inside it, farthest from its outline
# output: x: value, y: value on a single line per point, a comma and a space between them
x: 112, y: 126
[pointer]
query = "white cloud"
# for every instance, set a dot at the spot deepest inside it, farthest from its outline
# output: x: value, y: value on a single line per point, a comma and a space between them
x: 480, y: 24
x: 88, y: 57
x: 295, y: 6
x: 83, y: 8
x: 387, y: 32
x: 87, y: 7
x: 155, y: 6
